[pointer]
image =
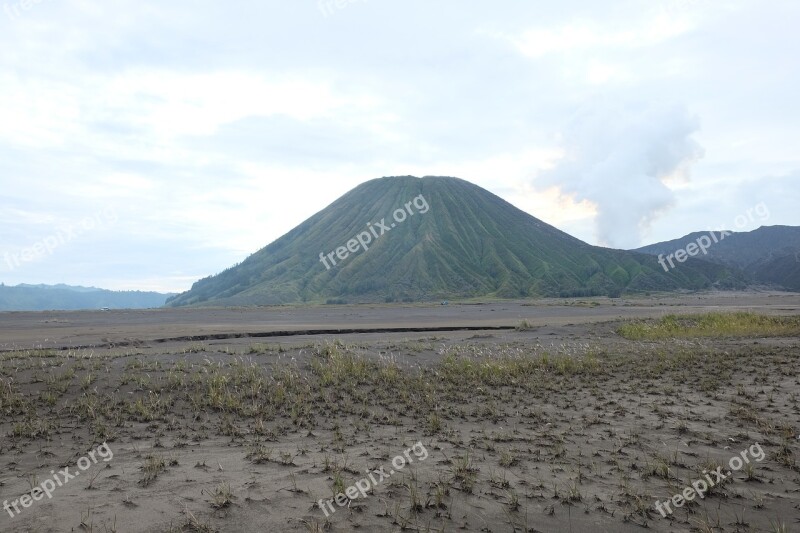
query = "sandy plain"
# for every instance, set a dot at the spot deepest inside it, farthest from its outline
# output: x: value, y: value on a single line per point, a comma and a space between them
x: 534, y: 415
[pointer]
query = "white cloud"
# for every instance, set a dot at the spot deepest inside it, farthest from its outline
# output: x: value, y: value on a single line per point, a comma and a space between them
x: 582, y: 35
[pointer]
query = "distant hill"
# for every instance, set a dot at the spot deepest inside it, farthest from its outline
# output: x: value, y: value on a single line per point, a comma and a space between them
x: 65, y: 297
x: 768, y: 255
x: 468, y: 243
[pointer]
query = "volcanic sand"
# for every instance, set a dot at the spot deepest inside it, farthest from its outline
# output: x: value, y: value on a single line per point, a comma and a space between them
x: 242, y: 420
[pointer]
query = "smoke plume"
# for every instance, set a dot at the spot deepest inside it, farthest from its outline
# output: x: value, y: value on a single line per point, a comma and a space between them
x: 618, y: 157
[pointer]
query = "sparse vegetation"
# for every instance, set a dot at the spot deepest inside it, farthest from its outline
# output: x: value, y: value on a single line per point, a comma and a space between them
x: 152, y: 467
x: 222, y: 496
x: 578, y: 422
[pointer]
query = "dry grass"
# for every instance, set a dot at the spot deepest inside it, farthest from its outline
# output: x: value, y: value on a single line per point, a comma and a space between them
x: 713, y: 325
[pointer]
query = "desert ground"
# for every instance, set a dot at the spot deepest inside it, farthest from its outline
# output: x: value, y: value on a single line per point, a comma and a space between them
x: 497, y: 416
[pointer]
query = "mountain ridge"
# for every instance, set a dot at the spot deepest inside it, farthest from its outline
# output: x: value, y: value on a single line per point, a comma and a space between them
x: 767, y: 255
x: 41, y: 297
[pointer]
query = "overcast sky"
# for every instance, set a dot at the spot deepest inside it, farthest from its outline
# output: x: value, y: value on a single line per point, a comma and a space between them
x: 144, y: 145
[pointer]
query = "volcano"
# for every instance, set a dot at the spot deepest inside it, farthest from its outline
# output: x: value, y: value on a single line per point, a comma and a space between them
x: 420, y: 239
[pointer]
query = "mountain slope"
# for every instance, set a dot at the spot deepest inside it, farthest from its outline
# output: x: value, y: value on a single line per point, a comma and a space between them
x: 769, y: 254
x: 69, y: 298
x: 469, y: 243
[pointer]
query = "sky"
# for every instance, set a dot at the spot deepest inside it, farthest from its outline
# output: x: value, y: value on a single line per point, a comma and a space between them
x: 146, y: 145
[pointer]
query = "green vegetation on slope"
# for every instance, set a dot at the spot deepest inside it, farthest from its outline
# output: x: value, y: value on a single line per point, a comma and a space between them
x: 470, y: 243
x: 711, y: 325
